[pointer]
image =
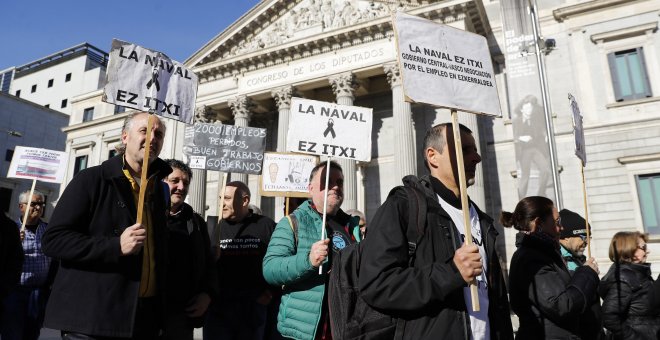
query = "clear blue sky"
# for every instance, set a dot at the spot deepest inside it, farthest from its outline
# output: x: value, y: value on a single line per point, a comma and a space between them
x: 32, y: 29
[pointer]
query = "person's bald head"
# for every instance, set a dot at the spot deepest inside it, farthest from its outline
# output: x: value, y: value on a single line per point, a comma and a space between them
x: 237, y: 201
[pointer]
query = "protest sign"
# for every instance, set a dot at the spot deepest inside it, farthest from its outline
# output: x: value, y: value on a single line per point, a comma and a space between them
x: 226, y: 148
x: 38, y: 164
x: 581, y: 153
x: 286, y: 174
x: 148, y: 80
x: 329, y: 129
x: 578, y: 130
x: 445, y: 67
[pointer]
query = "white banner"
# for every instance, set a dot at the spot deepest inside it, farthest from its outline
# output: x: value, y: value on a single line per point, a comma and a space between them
x: 329, y: 129
x: 445, y: 67
x: 578, y: 131
x: 145, y: 80
x: 286, y: 173
x: 40, y: 164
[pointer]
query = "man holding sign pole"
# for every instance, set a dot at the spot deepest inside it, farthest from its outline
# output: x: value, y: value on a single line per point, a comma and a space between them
x: 110, y: 284
x: 296, y: 251
x: 431, y: 297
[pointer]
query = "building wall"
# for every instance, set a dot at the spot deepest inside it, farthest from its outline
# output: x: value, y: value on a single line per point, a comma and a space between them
x: 41, y: 128
x: 85, y: 77
x: 614, y: 130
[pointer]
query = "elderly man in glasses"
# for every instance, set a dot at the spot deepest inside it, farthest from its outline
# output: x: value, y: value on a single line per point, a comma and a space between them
x: 24, y: 307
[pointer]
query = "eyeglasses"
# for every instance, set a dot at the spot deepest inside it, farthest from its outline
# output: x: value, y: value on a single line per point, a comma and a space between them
x: 33, y: 204
x: 558, y: 221
x: 642, y: 247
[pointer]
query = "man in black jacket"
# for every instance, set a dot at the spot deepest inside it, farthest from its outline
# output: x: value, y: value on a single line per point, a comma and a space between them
x: 432, y: 297
x: 112, y: 275
x: 191, y: 273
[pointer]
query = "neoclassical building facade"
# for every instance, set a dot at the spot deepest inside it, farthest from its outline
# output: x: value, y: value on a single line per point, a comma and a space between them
x: 606, y: 55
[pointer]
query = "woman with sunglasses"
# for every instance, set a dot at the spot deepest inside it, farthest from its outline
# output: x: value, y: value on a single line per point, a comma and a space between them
x: 627, y: 290
x: 549, y: 302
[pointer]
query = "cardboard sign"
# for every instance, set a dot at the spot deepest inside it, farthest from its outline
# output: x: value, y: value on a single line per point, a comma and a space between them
x: 146, y: 80
x: 286, y: 174
x: 578, y: 131
x: 329, y: 129
x: 226, y: 148
x: 38, y: 164
x: 445, y: 66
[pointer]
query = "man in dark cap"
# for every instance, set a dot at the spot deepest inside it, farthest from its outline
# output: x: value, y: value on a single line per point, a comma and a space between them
x: 573, y: 239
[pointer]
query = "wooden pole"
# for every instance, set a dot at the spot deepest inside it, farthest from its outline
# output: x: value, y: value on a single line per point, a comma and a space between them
x: 325, y: 205
x: 27, y: 209
x: 586, y: 212
x: 145, y: 168
x: 286, y: 207
x: 458, y: 145
x: 221, y: 205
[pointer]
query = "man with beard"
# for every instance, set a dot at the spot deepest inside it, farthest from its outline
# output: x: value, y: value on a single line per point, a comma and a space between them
x: 573, y: 241
x: 431, y: 298
x: 296, y: 252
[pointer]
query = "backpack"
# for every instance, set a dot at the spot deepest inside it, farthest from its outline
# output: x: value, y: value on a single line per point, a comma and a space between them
x: 350, y: 316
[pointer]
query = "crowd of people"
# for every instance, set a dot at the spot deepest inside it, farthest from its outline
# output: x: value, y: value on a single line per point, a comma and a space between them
x: 96, y: 272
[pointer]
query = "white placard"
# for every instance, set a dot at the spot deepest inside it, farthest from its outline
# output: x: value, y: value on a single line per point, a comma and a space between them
x: 329, y: 129
x: 445, y: 67
x: 145, y: 79
x: 286, y: 173
x: 578, y: 130
x: 39, y: 164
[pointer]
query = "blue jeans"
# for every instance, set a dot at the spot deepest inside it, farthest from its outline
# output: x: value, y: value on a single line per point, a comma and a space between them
x: 238, y: 319
x: 23, y: 313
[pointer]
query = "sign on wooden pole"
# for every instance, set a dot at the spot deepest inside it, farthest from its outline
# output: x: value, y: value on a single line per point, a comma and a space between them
x: 450, y: 68
x: 581, y: 153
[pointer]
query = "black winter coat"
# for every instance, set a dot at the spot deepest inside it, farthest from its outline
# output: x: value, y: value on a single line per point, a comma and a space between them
x: 428, y: 296
x: 550, y: 304
x: 96, y: 289
x: 627, y: 291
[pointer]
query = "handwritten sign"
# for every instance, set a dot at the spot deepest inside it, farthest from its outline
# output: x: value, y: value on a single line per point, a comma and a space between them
x: 146, y: 80
x: 445, y: 66
x: 286, y: 174
x: 38, y: 164
x: 578, y: 131
x: 322, y: 128
x: 226, y: 148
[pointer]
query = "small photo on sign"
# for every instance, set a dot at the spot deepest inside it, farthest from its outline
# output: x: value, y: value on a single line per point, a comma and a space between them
x: 197, y: 162
x: 286, y: 173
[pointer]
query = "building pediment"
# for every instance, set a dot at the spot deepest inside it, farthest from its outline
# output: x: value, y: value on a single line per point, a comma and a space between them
x: 278, y: 31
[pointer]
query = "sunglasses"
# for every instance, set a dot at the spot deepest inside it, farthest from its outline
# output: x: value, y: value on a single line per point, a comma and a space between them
x: 642, y: 247
x: 33, y: 204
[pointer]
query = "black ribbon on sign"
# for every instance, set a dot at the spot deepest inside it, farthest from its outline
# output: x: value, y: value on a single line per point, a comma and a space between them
x: 154, y: 80
x: 330, y: 129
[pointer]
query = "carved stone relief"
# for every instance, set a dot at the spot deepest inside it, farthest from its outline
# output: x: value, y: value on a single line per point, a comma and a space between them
x: 324, y: 14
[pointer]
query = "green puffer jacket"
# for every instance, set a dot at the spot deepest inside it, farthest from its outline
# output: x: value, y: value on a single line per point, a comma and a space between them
x: 303, y: 287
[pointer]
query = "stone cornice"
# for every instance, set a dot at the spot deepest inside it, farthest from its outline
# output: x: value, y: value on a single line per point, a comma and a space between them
x: 360, y: 33
x: 583, y: 8
x: 624, y: 32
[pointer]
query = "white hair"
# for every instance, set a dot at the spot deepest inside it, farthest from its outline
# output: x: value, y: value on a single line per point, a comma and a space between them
x: 23, y: 197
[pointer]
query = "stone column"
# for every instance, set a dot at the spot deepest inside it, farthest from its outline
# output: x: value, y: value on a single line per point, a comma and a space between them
x: 282, y: 96
x: 240, y: 108
x: 343, y: 86
x: 404, y: 131
x: 476, y: 191
x: 197, y: 190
